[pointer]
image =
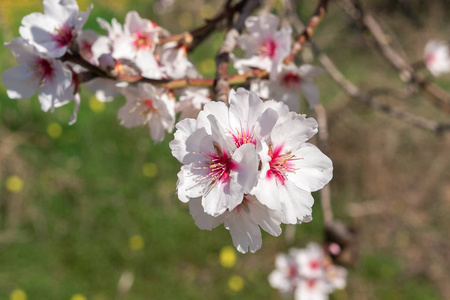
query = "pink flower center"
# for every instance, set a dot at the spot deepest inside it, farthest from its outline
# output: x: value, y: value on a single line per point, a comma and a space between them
x: 430, y: 58
x: 268, y: 48
x: 290, y: 79
x: 280, y: 164
x: 86, y: 50
x: 220, y: 165
x: 142, y: 41
x: 242, y: 136
x: 63, y: 36
x: 43, y: 69
x: 314, y: 264
x: 292, y: 271
x: 311, y: 283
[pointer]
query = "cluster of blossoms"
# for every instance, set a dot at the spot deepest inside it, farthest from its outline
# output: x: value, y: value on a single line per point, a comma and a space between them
x: 246, y: 165
x: 127, y: 52
x: 437, y: 57
x: 307, y: 273
x: 249, y: 165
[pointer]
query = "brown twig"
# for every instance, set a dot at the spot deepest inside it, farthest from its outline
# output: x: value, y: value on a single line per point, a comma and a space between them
x: 222, y: 86
x: 354, y: 92
x: 308, y: 32
x: 408, y: 74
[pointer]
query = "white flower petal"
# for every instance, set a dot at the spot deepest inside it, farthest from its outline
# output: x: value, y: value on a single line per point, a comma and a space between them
x: 314, y: 169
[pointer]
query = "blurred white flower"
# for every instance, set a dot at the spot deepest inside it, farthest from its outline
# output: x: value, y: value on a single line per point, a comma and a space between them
x: 191, y: 102
x: 146, y: 105
x: 307, y: 273
x: 49, y: 77
x: 437, y: 57
x: 265, y: 47
x: 54, y: 31
x: 289, y: 83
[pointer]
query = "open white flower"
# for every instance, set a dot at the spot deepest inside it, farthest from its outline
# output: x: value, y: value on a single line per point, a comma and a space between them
x: 291, y: 167
x: 265, y: 47
x: 289, y: 83
x: 54, y: 31
x: 243, y: 222
x: 437, y: 57
x: 218, y: 152
x: 49, y: 77
x: 146, y: 105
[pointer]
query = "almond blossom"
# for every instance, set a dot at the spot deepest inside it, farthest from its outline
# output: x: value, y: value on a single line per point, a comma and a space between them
x: 53, y: 32
x: 222, y: 170
x: 265, y: 47
x: 307, y: 274
x: 146, y: 105
x: 291, y: 167
x: 289, y: 83
x: 191, y: 101
x: 437, y: 57
x: 49, y: 77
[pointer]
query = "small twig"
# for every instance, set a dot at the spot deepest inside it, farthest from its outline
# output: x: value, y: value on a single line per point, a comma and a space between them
x: 354, y: 92
x: 308, y: 32
x: 222, y: 86
x: 408, y: 74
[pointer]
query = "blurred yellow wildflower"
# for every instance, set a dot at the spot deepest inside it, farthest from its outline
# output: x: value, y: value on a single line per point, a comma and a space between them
x: 208, y: 66
x: 54, y: 130
x: 14, y: 184
x: 185, y: 20
x: 207, y: 11
x: 78, y: 297
x: 95, y: 105
x: 18, y: 294
x: 136, y: 242
x: 227, y: 257
x: 236, y: 283
x: 150, y: 170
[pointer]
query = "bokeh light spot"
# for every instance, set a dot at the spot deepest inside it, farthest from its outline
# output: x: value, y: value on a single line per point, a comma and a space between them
x: 236, y: 283
x: 54, y: 130
x: 185, y: 20
x: 18, y: 295
x: 150, y: 170
x: 14, y: 184
x: 227, y: 257
x: 96, y: 106
x: 78, y: 297
x: 136, y: 242
x: 208, y: 66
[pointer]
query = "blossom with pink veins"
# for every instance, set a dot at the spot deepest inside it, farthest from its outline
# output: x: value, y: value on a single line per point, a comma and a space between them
x: 437, y: 57
x: 243, y: 222
x: 265, y: 47
x: 147, y: 105
x: 49, y: 77
x: 53, y: 32
x: 218, y: 151
x: 191, y: 102
x: 291, y: 167
x: 288, y: 84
